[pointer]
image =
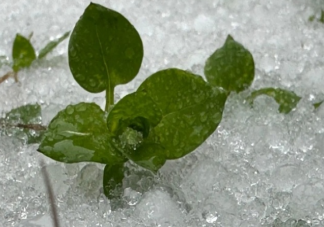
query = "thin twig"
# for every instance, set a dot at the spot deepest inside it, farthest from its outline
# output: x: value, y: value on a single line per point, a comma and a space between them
x: 9, y: 74
x: 35, y: 127
x: 50, y: 193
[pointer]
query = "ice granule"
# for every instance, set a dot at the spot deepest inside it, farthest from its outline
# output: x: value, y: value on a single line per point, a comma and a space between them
x: 259, y: 168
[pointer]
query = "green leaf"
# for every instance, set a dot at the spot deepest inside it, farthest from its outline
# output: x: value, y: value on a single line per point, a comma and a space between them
x: 318, y: 104
x: 142, y: 151
x: 230, y: 67
x: 149, y: 155
x: 23, y: 53
x: 19, y: 121
x: 311, y: 18
x: 322, y: 17
x: 113, y: 180
x: 78, y: 134
x: 130, y: 122
x: 51, y: 45
x: 287, y: 100
x: 191, y: 110
x: 137, y: 111
x: 104, y: 50
x: 28, y: 114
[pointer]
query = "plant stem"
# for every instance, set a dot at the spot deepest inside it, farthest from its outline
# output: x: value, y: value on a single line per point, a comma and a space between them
x: 7, y: 75
x: 109, y: 97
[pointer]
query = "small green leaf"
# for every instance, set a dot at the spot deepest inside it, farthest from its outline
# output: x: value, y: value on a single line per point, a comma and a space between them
x: 149, y: 155
x: 230, y: 67
x: 130, y: 121
x: 104, y: 50
x: 78, y: 134
x: 51, y: 45
x: 137, y: 111
x: 142, y: 151
x: 23, y: 53
x: 28, y: 114
x: 287, y: 100
x: 191, y: 110
x: 318, y: 104
x: 113, y: 180
x: 311, y: 18
x: 18, y: 122
x: 322, y: 17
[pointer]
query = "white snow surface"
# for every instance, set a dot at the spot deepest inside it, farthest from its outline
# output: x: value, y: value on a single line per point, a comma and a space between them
x: 259, y: 168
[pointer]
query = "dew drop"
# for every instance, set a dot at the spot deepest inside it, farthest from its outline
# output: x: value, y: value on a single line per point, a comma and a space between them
x: 72, y: 52
x: 193, y: 85
x: 79, y: 77
x: 203, y: 117
x: 92, y: 82
x: 80, y: 108
x: 176, y: 139
x: 70, y: 110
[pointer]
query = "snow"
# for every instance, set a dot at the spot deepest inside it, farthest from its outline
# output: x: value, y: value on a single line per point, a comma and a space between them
x: 259, y: 168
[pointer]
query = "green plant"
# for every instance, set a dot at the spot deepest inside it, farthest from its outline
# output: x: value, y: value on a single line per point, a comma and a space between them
x: 23, y: 54
x: 23, y: 122
x: 105, y: 50
x: 171, y: 113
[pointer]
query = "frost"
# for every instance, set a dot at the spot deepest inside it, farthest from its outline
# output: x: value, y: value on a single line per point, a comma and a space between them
x: 259, y: 168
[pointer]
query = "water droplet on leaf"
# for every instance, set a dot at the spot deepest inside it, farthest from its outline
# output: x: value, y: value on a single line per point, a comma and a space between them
x: 69, y: 110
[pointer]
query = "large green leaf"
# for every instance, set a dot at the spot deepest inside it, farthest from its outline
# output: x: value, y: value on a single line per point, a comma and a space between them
x: 104, y: 50
x: 51, y: 45
x: 230, y: 67
x: 191, y: 110
x: 78, y: 134
x: 21, y: 122
x: 113, y: 180
x: 287, y: 100
x: 23, y: 53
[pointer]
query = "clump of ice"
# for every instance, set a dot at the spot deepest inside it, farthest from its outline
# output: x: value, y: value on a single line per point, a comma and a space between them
x: 259, y: 168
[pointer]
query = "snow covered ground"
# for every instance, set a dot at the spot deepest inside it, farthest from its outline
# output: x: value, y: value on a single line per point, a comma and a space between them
x: 259, y: 168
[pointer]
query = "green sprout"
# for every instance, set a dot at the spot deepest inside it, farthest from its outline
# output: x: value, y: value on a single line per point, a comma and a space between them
x: 23, y: 54
x: 169, y: 115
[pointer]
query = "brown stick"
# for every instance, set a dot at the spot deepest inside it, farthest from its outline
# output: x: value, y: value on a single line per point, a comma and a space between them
x: 51, y: 197
x: 7, y: 75
x: 36, y: 127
